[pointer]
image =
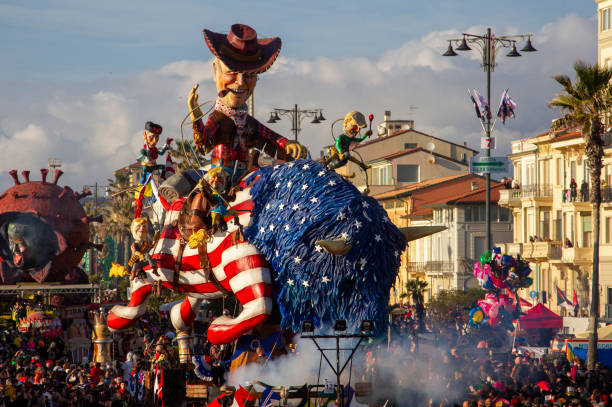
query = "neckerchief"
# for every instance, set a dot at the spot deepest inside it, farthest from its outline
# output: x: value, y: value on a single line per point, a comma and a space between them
x: 238, y: 116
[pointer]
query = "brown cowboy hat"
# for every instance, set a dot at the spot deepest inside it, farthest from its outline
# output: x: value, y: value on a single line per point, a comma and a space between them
x: 241, y: 50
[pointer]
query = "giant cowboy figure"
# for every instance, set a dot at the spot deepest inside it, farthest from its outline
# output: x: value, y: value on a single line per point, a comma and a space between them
x: 229, y: 131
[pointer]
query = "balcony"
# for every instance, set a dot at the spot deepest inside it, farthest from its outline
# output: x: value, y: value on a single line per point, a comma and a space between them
x: 431, y: 268
x: 509, y: 197
x: 542, y: 251
x: 536, y: 191
x: 577, y: 255
x: 513, y: 197
x: 510, y: 248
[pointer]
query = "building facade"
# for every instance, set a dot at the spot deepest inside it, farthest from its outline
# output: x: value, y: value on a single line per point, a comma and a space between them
x: 456, y: 204
x: 553, y: 226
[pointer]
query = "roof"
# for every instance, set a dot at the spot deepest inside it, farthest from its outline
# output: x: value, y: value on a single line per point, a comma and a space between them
x: 416, y: 149
x: 476, y: 196
x: 378, y: 139
x: 567, y: 136
x: 400, y: 192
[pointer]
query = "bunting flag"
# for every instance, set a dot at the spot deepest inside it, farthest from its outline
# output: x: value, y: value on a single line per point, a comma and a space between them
x: 161, y: 199
x: 506, y: 107
x: 158, y: 397
x: 574, y: 298
x: 483, y: 111
x: 140, y: 196
x: 563, y: 301
x: 241, y: 397
x: 169, y: 166
x: 267, y: 396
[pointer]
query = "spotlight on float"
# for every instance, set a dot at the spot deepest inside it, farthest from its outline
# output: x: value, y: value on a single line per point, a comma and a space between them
x: 366, y: 326
x: 340, y: 325
x: 307, y: 326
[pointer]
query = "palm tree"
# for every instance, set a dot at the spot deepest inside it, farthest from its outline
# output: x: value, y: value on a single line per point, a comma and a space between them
x: 415, y: 288
x: 185, y: 155
x: 584, y: 104
x: 118, y: 212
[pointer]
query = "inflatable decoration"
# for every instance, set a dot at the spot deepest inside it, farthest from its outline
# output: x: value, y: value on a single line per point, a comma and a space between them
x: 499, y: 274
x: 477, y: 317
x: 303, y: 237
x: 44, y: 231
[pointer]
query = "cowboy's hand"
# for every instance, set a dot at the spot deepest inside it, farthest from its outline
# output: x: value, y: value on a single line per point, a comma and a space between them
x: 296, y: 150
x: 192, y: 103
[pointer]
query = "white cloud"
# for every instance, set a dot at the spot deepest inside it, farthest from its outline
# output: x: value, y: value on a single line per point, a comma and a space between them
x: 96, y: 127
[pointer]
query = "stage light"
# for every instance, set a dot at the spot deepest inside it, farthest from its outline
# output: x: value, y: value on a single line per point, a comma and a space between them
x: 307, y: 326
x: 340, y: 325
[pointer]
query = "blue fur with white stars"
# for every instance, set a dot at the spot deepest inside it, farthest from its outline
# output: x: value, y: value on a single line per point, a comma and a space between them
x: 300, y: 202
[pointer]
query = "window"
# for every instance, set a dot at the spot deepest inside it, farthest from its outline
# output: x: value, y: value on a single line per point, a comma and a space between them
x: 557, y: 227
x: 476, y: 213
x: 587, y: 230
x: 389, y: 204
x: 504, y: 214
x: 544, y: 224
x: 408, y: 146
x: 463, y: 158
x: 407, y: 173
x: 607, y: 231
x: 605, y: 19
x: 559, y: 172
x: 381, y: 175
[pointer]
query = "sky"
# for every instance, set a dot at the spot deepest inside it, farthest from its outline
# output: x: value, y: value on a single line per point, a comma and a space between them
x: 79, y: 79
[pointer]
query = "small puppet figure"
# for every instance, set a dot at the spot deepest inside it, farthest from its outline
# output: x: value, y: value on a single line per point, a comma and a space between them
x: 140, y: 248
x: 340, y: 153
x: 149, y: 152
x: 220, y: 180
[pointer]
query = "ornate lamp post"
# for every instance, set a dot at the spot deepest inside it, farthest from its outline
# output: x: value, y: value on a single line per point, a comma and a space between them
x: 297, y: 115
x: 488, y: 45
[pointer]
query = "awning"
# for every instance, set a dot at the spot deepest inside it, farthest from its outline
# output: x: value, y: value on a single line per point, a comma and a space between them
x: 541, y: 317
x: 417, y: 232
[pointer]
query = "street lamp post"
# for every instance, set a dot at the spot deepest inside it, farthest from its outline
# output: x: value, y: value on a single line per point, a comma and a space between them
x: 488, y: 45
x: 297, y: 115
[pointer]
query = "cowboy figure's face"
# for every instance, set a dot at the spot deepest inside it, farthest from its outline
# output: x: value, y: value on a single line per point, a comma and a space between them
x: 233, y: 88
x: 150, y: 138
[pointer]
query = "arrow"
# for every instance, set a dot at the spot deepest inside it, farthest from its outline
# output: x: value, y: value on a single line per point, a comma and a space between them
x: 489, y: 164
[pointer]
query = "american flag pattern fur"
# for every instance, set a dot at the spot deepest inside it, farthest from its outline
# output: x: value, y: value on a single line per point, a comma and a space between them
x: 237, y: 265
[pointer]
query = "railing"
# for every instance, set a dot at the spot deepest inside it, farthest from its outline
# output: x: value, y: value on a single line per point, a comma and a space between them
x: 582, y: 195
x: 536, y: 191
x: 542, y: 250
x: 430, y: 267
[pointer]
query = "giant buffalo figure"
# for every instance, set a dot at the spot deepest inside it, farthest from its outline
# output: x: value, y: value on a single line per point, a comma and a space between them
x: 311, y: 242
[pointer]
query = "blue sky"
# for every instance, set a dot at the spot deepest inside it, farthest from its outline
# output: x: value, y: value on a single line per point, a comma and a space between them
x: 79, y: 78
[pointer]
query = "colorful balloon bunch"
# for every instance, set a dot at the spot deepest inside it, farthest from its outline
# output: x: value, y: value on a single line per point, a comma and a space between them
x: 496, y: 271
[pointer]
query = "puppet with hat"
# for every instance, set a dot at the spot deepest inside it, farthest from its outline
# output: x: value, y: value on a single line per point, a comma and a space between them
x: 229, y: 131
x: 149, y: 151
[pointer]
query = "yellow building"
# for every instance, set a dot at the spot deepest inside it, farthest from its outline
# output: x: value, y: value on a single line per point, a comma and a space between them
x: 604, y: 33
x: 553, y: 217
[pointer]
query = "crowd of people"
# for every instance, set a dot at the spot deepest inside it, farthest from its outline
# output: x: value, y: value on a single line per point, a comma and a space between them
x: 425, y: 364
x: 39, y: 370
x: 444, y: 366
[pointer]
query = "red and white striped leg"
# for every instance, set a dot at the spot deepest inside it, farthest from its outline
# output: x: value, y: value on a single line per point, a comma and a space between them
x: 249, y: 278
x: 124, y: 316
x: 183, y: 314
